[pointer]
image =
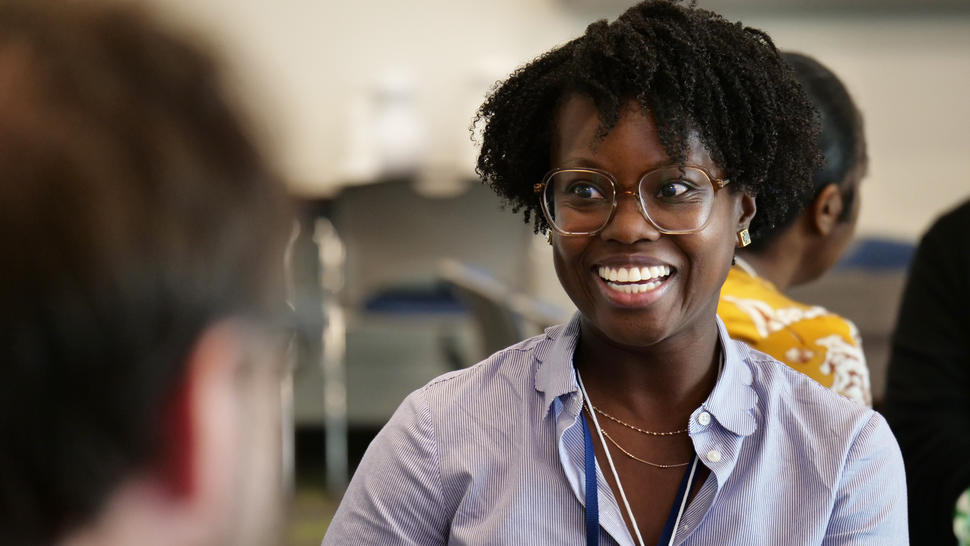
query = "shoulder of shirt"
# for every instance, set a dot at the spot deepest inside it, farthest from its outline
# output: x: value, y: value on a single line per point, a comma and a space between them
x: 948, y: 231
x: 474, y: 376
x: 782, y: 389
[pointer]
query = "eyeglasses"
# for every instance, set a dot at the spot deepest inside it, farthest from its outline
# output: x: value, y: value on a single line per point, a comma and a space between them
x: 676, y: 199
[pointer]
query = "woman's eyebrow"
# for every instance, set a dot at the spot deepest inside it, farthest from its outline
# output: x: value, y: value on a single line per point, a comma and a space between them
x: 581, y: 162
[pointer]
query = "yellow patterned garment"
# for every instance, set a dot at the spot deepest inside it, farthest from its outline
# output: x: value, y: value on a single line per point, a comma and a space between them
x: 810, y: 339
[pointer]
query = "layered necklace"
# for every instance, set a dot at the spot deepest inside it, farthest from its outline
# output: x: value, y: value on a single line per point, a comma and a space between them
x: 616, y: 476
x: 641, y: 431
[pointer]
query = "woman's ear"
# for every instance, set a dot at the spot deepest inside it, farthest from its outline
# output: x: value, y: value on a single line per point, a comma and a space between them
x: 746, y: 210
x: 826, y: 209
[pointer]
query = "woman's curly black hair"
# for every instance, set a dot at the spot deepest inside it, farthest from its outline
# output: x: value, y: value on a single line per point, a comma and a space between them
x: 693, y: 70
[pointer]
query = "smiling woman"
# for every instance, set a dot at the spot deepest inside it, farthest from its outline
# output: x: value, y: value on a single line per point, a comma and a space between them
x: 684, y: 234
x: 645, y: 148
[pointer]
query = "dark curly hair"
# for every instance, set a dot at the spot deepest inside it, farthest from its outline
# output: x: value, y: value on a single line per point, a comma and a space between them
x: 693, y: 70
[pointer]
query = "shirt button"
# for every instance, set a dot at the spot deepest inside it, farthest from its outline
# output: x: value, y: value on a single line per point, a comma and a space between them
x: 704, y: 418
x: 684, y: 528
x: 714, y: 456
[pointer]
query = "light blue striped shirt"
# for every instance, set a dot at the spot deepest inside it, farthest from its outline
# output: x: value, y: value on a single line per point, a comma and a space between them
x: 493, y: 454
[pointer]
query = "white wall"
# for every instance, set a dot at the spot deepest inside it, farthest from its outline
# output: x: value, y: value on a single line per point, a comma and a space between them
x: 308, y: 60
x: 302, y: 63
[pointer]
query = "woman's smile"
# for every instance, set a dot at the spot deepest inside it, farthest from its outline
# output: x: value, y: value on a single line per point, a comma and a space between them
x: 633, y: 284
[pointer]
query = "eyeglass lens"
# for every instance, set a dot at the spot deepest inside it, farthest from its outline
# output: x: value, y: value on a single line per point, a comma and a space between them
x: 674, y: 198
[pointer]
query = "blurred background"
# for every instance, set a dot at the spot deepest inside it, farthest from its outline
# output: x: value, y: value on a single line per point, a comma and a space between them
x: 406, y: 267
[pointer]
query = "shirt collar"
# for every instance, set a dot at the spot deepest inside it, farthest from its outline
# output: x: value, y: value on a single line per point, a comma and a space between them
x: 733, y: 399
x: 731, y: 402
x: 555, y: 376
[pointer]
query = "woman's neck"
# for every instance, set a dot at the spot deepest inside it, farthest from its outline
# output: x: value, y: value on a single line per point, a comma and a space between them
x: 659, y: 385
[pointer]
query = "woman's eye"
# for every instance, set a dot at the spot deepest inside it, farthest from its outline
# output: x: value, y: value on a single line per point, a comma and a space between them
x: 674, y: 188
x: 585, y: 191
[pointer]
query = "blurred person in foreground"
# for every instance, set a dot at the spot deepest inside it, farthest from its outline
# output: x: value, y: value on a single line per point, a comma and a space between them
x: 643, y: 148
x: 928, y: 391
x: 807, y: 241
x: 142, y: 241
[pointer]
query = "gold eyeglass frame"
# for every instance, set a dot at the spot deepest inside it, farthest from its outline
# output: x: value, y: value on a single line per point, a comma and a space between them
x: 539, y: 188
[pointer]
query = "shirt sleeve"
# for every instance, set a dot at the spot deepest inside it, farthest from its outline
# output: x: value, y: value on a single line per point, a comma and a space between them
x: 396, y: 495
x: 870, y: 505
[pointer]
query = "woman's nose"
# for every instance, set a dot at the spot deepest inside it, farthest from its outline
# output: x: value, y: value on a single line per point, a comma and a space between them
x: 629, y: 223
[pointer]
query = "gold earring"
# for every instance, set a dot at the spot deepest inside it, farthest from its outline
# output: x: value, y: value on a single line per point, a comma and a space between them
x: 549, y: 237
x: 744, y: 238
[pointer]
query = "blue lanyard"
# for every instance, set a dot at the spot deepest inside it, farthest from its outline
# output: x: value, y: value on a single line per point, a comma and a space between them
x: 592, y: 496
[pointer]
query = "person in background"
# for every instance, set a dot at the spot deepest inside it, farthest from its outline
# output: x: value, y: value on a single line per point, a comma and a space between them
x: 928, y: 389
x: 806, y: 241
x: 643, y: 149
x: 142, y: 239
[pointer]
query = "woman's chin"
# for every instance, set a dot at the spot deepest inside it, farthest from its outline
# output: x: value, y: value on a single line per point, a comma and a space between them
x: 632, y: 330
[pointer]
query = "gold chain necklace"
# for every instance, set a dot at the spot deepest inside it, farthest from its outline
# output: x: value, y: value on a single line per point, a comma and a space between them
x: 636, y: 428
x: 635, y: 458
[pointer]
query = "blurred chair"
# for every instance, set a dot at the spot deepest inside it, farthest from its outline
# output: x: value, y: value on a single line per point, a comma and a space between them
x: 395, y: 235
x: 398, y: 326
x: 503, y: 317
x: 402, y: 328
x: 877, y: 254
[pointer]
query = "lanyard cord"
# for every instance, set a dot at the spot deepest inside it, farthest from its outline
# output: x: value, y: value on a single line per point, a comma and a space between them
x: 592, y: 526
x: 592, y: 495
x: 683, y: 502
x: 609, y: 459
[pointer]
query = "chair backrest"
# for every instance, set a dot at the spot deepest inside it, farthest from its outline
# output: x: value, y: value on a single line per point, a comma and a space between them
x: 502, y: 316
x: 395, y: 236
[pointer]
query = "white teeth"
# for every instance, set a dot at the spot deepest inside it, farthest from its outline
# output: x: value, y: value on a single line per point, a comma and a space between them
x: 633, y: 274
x: 635, y: 288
